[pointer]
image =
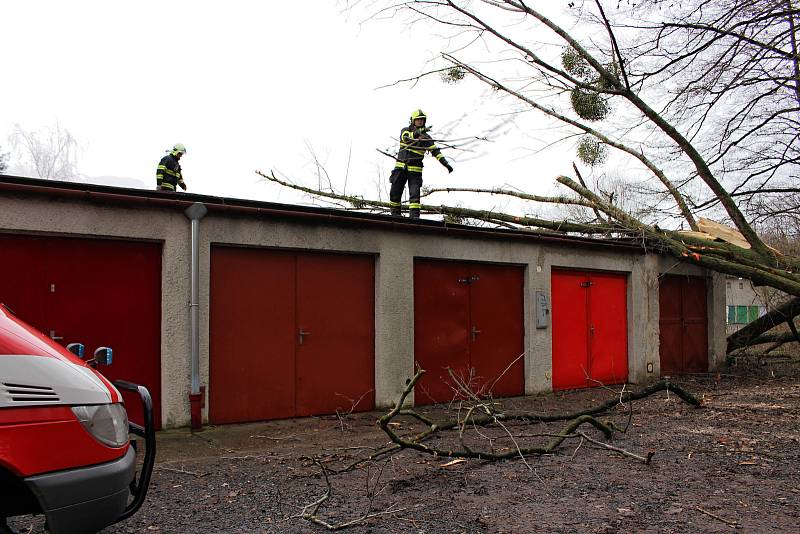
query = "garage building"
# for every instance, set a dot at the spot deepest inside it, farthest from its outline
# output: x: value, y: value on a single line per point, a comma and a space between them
x: 307, y: 311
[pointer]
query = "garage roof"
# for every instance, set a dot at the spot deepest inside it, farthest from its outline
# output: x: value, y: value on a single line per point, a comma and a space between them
x: 105, y: 195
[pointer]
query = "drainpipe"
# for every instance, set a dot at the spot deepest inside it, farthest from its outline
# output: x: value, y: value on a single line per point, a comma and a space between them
x: 195, y: 212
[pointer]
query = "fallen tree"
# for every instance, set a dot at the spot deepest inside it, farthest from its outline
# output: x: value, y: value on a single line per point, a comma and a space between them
x: 707, y: 252
x: 703, y: 96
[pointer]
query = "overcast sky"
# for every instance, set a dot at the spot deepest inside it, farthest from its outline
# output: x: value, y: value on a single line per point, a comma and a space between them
x: 247, y: 85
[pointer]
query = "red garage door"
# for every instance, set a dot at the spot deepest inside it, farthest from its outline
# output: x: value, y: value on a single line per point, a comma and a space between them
x: 468, y: 317
x: 93, y: 291
x: 683, y: 325
x: 292, y: 334
x: 590, y: 333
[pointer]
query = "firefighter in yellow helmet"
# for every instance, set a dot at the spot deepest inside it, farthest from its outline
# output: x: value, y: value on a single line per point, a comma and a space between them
x: 168, y: 173
x: 414, y: 142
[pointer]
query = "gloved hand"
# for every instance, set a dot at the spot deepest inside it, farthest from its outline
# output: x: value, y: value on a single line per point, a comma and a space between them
x: 447, y: 165
x: 182, y: 185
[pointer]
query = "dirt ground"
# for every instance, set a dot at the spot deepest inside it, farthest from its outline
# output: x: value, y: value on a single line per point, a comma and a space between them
x: 733, y: 464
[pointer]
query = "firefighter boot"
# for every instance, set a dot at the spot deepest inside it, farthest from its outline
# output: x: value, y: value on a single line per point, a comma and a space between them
x: 413, y: 213
x: 397, y: 211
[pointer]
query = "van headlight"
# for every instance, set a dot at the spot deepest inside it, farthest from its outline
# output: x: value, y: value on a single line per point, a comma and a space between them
x: 107, y: 423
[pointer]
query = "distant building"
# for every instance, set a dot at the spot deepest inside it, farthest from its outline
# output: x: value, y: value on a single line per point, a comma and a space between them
x: 745, y: 303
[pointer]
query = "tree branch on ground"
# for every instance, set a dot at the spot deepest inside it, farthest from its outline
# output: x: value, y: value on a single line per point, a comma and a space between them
x: 483, y: 413
x: 310, y: 512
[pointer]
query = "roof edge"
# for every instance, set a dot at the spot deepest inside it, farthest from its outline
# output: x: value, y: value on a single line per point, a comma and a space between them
x: 179, y: 201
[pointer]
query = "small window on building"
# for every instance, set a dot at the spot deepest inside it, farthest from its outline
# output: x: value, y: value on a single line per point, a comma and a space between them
x: 741, y: 285
x: 729, y: 285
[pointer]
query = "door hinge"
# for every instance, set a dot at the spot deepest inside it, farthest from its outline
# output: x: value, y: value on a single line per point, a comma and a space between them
x: 587, y: 284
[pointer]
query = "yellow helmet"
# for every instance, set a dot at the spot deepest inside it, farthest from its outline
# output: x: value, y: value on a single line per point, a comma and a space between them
x: 418, y: 114
x: 178, y: 149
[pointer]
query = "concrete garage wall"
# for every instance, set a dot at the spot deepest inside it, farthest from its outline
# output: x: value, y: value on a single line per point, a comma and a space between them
x: 46, y: 215
x: 394, y: 328
x: 394, y: 249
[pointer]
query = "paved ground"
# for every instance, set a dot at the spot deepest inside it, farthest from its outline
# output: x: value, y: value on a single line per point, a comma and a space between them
x: 732, y: 464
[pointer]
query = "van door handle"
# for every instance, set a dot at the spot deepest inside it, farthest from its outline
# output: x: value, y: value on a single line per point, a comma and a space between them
x: 475, y: 333
x: 54, y: 337
x: 302, y: 333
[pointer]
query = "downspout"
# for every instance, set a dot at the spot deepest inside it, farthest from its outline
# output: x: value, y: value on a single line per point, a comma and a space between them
x: 195, y: 212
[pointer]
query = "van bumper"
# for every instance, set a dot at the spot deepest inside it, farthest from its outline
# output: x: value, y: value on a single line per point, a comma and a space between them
x: 86, y: 499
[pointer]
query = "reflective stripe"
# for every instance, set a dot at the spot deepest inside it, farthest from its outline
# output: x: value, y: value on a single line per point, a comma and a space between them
x: 399, y: 165
x: 407, y: 146
x: 439, y: 156
x: 172, y: 173
x: 393, y: 204
x: 162, y: 168
x: 414, y: 205
x: 414, y: 169
x: 167, y: 185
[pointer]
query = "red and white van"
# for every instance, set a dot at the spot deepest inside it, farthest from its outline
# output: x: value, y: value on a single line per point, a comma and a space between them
x: 64, y: 435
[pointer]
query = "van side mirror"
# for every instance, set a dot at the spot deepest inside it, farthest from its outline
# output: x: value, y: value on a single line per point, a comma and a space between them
x: 103, y: 356
x: 77, y: 349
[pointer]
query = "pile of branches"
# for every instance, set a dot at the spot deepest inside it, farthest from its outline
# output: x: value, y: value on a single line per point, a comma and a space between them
x: 482, y: 430
x: 484, y: 419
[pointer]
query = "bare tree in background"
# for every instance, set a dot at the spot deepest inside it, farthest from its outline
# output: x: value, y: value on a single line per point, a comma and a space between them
x: 3, y: 160
x: 50, y: 153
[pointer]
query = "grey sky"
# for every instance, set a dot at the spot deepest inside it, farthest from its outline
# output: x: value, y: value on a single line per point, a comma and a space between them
x: 244, y: 85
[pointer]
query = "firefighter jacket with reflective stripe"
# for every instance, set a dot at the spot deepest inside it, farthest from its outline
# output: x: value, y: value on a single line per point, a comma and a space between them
x: 168, y: 174
x: 413, y: 145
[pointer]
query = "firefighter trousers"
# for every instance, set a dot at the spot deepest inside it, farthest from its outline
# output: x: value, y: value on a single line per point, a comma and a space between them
x: 398, y: 178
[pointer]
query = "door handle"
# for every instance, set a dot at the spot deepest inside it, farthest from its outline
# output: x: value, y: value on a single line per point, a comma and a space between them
x: 302, y: 333
x: 54, y: 337
x: 474, y: 333
x: 591, y: 330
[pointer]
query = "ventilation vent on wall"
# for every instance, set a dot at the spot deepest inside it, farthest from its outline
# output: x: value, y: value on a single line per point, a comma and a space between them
x: 25, y: 393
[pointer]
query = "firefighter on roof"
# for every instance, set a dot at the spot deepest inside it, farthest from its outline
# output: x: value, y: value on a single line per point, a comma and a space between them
x: 168, y: 174
x: 414, y: 142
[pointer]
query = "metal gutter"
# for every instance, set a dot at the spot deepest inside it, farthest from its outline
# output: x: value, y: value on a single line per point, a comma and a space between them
x: 195, y: 212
